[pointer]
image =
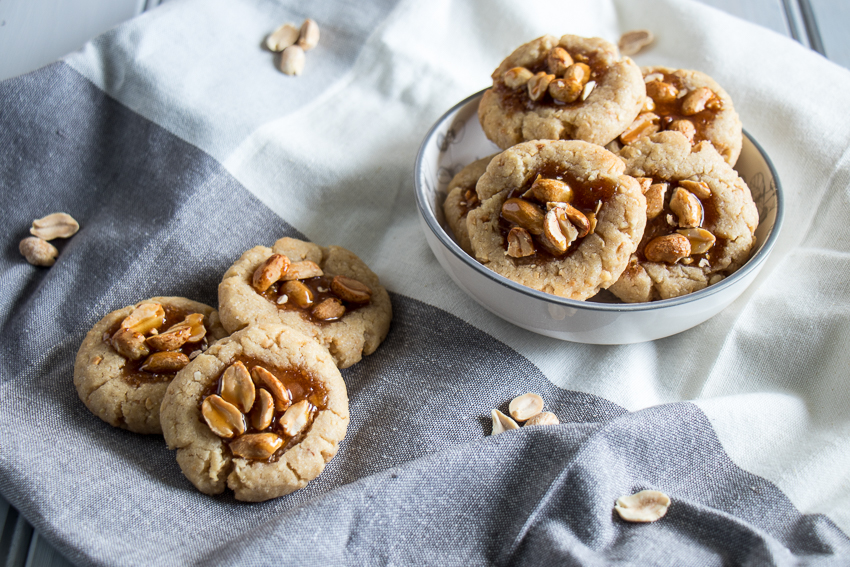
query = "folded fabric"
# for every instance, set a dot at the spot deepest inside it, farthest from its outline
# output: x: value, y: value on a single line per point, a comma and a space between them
x: 177, y: 144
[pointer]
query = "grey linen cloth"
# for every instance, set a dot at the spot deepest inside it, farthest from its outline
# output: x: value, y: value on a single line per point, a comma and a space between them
x: 177, y: 145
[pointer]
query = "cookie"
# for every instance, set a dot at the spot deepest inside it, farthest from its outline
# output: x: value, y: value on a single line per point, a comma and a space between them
x: 689, y: 102
x: 260, y: 412
x: 461, y: 199
x: 329, y: 294
x: 557, y: 216
x: 575, y: 88
x: 701, y: 219
x: 129, y: 357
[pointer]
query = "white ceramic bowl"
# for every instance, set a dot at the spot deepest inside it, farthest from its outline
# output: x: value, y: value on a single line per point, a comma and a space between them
x: 457, y: 139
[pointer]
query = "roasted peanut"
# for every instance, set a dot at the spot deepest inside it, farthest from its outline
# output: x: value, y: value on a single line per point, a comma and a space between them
x: 538, y: 85
x: 37, y: 251
x: 632, y: 42
x: 296, y: 418
x: 270, y: 271
x: 517, y: 77
x: 565, y: 91
x: 145, y: 318
x: 56, y: 225
x: 263, y: 412
x: 661, y: 92
x: 265, y: 379
x: 695, y: 101
x: 545, y: 418
x: 172, y: 339
x: 686, y: 127
x: 223, y: 418
x: 655, y: 199
x: 256, y: 446
x: 501, y: 422
x: 282, y: 37
x: 698, y: 188
x: 645, y: 506
x: 520, y: 243
x: 350, y: 289
x: 579, y: 219
x: 687, y: 207
x: 302, y: 270
x: 558, y: 60
x: 552, y: 234
x: 524, y: 214
x: 644, y: 125
x: 669, y: 248
x: 546, y: 190
x: 526, y: 406
x: 237, y: 387
x: 165, y: 362
x: 292, y: 60
x: 300, y: 294
x: 309, y: 36
x: 701, y: 240
x: 130, y: 344
x: 330, y: 309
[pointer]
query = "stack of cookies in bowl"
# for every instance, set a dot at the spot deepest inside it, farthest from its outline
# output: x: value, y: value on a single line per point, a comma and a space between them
x: 250, y: 395
x: 611, y: 177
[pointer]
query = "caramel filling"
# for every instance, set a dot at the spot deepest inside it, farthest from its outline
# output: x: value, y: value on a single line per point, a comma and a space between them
x: 294, y: 388
x: 132, y: 372
x: 667, y: 223
x: 585, y: 196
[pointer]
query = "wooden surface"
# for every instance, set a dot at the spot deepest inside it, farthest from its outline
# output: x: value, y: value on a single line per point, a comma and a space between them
x: 34, y: 33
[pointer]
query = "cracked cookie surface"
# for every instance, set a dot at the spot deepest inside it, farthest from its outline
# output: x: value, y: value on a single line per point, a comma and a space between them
x: 113, y: 387
x: 571, y: 244
x: 308, y: 376
x: 357, y: 332
x: 601, y: 93
x: 723, y: 206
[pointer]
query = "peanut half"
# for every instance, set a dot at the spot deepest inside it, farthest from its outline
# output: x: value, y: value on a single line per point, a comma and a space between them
x: 56, y: 225
x: 644, y: 506
x: 38, y: 252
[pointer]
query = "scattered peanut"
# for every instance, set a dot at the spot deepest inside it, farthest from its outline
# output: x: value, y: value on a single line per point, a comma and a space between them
x: 37, y: 251
x: 526, y: 406
x: 56, y: 225
x: 292, y: 60
x: 644, y: 506
x: 501, y: 422
x: 282, y: 37
x: 309, y: 36
x: 632, y: 42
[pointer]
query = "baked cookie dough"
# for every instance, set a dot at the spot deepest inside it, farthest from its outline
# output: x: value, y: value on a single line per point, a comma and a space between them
x: 557, y: 216
x: 689, y: 102
x: 575, y: 88
x: 329, y: 294
x: 129, y: 357
x: 701, y: 219
x: 462, y: 198
x: 260, y: 412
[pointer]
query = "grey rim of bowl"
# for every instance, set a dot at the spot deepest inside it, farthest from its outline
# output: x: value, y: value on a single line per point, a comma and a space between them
x: 448, y: 241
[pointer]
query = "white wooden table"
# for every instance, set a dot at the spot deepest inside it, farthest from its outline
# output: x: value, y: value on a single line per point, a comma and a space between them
x: 34, y: 33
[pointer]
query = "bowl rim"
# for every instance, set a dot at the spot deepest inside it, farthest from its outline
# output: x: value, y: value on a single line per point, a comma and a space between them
x: 431, y: 220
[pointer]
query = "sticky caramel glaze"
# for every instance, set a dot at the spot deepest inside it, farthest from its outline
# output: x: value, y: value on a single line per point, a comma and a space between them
x: 671, y: 111
x: 316, y: 285
x: 132, y: 372
x: 586, y: 196
x: 302, y: 385
x: 517, y: 100
x: 660, y: 227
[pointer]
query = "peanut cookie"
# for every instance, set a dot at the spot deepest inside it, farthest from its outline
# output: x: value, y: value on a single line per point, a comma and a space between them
x: 262, y: 412
x: 689, y: 102
x: 575, y: 88
x: 329, y: 294
x: 462, y: 198
x: 701, y: 218
x: 557, y: 216
x: 129, y: 357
